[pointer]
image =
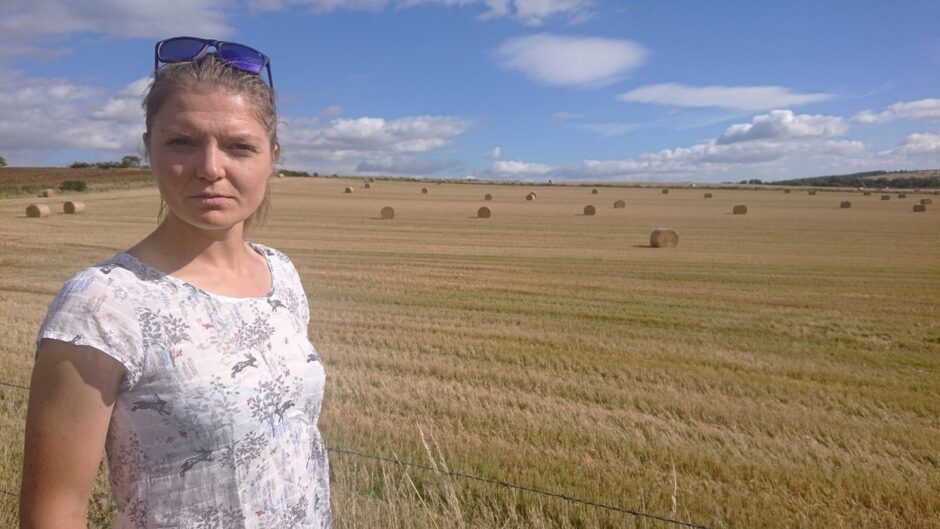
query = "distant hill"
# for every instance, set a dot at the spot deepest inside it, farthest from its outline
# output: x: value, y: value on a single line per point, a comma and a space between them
x: 921, y: 178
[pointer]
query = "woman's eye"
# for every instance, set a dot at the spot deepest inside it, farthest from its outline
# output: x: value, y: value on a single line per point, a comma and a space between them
x: 244, y: 147
x: 178, y: 141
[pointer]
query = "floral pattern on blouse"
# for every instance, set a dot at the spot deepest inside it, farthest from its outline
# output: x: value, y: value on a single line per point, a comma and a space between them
x: 215, y: 422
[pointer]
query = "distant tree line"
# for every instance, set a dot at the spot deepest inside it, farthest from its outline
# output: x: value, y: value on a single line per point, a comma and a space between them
x: 3, y: 161
x: 127, y: 162
x: 865, y: 180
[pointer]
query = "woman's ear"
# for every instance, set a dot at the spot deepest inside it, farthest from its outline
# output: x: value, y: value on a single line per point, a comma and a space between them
x: 275, y: 154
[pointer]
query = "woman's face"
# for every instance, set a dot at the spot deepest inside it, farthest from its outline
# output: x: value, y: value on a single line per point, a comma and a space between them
x: 211, y: 157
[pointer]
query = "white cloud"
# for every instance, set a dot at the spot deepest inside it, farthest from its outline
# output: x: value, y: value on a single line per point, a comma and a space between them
x: 570, y: 61
x: 565, y: 116
x: 407, y: 166
x: 515, y: 169
x: 609, y: 129
x: 783, y: 125
x: 39, y: 115
x: 529, y: 12
x: 332, y: 111
x: 368, y: 144
x: 494, y: 154
x: 748, y: 98
x: 922, y: 109
x: 40, y: 27
x: 917, y: 145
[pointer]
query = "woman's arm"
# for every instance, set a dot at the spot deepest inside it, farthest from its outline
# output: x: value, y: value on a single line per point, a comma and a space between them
x: 70, y: 400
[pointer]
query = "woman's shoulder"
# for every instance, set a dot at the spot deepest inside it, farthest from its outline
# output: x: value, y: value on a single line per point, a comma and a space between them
x: 270, y: 252
x: 120, y: 272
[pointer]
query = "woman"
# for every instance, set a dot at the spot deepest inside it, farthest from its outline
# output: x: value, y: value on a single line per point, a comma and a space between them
x: 187, y: 355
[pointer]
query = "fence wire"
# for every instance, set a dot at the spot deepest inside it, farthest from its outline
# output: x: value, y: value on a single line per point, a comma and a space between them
x: 471, y: 477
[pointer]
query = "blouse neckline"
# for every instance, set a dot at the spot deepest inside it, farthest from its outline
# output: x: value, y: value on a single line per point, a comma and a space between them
x: 177, y: 281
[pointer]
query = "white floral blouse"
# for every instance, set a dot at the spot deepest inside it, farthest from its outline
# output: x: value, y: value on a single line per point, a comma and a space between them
x: 215, y: 423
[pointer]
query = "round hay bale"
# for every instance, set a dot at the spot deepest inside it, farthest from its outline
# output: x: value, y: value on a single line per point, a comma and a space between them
x: 349, y: 190
x: 424, y: 191
x: 368, y: 185
x: 740, y: 209
x: 47, y: 192
x: 534, y: 194
x: 926, y: 201
x: 484, y: 212
x: 664, y: 238
x: 530, y: 197
x: 885, y: 197
x: 280, y: 175
x: 387, y: 213
x: 812, y: 192
x: 620, y: 204
x: 708, y: 195
x: 594, y: 191
x: 902, y: 195
x: 370, y: 179
x: 37, y: 210
x: 786, y: 191
x: 73, y: 207
x: 666, y: 191
x: 589, y: 210
x: 487, y: 197
x: 919, y: 208
x: 866, y: 193
x: 845, y: 204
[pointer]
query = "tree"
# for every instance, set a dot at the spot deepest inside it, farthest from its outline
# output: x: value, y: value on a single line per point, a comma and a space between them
x: 130, y: 161
x: 3, y: 161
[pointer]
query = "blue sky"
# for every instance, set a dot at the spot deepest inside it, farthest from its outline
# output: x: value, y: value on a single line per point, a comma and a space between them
x: 507, y: 89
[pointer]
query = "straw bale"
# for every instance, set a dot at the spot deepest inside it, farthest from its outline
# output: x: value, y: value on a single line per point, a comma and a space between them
x: 812, y: 192
x: 50, y: 192
x: 37, y: 210
x: 787, y: 191
x: 487, y: 197
x: 845, y: 204
x: 349, y: 190
x: 73, y: 207
x: 740, y: 209
x: 594, y: 191
x: 926, y: 201
x: 530, y: 196
x: 867, y: 193
x: 902, y: 195
x: 424, y: 191
x: 885, y: 197
x: 666, y: 191
x: 589, y: 210
x: 280, y: 175
x: 620, y: 204
x: 368, y: 185
x: 708, y: 195
x: 664, y: 238
x: 387, y: 212
x: 484, y: 212
x: 919, y: 208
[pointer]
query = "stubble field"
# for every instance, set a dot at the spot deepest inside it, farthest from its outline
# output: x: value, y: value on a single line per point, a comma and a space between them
x: 777, y: 369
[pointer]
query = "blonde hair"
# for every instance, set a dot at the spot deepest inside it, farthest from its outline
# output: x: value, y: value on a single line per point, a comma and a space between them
x: 212, y: 72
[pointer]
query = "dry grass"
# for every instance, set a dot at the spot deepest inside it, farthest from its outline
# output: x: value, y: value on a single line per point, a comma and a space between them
x: 780, y: 369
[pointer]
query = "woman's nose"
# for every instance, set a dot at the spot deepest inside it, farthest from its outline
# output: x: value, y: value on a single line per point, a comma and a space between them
x: 210, y: 166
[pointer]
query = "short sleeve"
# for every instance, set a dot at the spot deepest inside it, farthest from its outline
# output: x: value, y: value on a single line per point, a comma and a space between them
x: 91, y: 311
x: 300, y: 292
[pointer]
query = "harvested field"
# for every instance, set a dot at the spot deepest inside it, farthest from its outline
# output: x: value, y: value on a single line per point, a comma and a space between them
x: 777, y: 369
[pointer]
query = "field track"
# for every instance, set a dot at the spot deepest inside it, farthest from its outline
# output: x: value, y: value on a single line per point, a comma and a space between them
x: 776, y: 369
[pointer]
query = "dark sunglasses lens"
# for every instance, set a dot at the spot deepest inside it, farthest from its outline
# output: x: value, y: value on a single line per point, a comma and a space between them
x: 242, y: 57
x: 180, y: 49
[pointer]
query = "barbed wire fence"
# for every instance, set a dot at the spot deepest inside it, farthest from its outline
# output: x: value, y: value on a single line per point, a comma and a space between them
x: 470, y: 477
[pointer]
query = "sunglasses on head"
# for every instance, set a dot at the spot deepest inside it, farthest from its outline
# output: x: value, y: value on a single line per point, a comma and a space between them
x: 185, y: 49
